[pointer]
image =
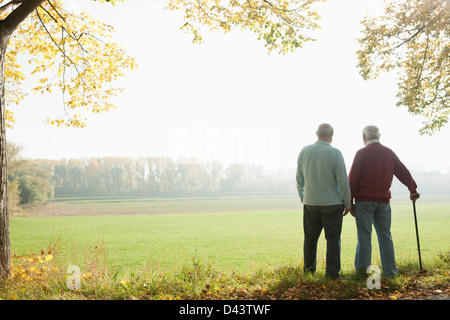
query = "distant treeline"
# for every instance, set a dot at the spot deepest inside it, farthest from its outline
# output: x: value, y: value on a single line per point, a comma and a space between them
x: 157, y: 176
x: 42, y: 179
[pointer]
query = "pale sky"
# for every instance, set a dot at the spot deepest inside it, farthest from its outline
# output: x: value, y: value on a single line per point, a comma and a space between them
x: 228, y: 99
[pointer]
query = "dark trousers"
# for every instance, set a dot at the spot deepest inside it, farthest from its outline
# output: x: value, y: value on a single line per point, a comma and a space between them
x: 316, y: 218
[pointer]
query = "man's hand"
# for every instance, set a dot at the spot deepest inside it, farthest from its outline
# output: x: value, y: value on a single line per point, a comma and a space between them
x: 351, y: 210
x: 414, y: 196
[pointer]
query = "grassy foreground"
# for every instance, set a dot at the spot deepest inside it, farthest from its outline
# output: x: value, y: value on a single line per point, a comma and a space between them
x: 37, y: 277
x: 238, y: 235
x: 207, y: 249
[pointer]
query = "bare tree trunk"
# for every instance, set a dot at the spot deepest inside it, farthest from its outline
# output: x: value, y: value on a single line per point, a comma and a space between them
x: 7, y: 27
x: 5, y: 248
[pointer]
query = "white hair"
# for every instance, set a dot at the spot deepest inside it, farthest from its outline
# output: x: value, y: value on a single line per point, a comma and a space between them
x: 371, y: 132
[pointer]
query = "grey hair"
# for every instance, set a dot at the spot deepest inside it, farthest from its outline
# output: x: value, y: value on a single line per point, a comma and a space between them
x: 325, y: 130
x: 371, y: 132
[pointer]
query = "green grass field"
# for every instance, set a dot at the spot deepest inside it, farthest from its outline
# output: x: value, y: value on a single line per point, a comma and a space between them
x: 234, y: 234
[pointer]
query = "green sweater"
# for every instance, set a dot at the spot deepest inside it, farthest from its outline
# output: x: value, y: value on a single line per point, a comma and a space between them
x: 321, y: 176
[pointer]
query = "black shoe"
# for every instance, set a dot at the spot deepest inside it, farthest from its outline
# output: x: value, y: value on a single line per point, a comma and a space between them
x: 333, y: 276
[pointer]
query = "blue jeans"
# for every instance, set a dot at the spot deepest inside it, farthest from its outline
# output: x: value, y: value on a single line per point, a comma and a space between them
x: 378, y: 214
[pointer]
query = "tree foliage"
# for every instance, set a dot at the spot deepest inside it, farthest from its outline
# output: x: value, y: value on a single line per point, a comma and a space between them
x: 69, y: 52
x: 27, y: 181
x: 73, y: 53
x: 33, y: 187
x: 284, y: 25
x: 15, y: 163
x: 413, y: 38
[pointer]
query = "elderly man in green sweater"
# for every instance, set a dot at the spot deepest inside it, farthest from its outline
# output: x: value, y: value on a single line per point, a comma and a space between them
x: 323, y: 188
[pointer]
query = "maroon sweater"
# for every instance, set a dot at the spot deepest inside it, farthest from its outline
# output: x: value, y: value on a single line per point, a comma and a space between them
x: 372, y: 172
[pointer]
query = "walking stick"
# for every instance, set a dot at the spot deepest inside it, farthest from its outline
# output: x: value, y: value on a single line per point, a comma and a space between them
x: 417, y: 231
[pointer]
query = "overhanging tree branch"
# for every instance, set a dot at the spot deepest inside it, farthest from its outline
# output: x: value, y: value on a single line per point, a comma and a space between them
x: 288, y: 10
x: 11, y: 22
x: 419, y: 30
x: 53, y: 40
x: 424, y: 60
x: 9, y: 4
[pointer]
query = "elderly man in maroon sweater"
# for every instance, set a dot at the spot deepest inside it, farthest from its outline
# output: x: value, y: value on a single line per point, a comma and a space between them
x: 370, y: 179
